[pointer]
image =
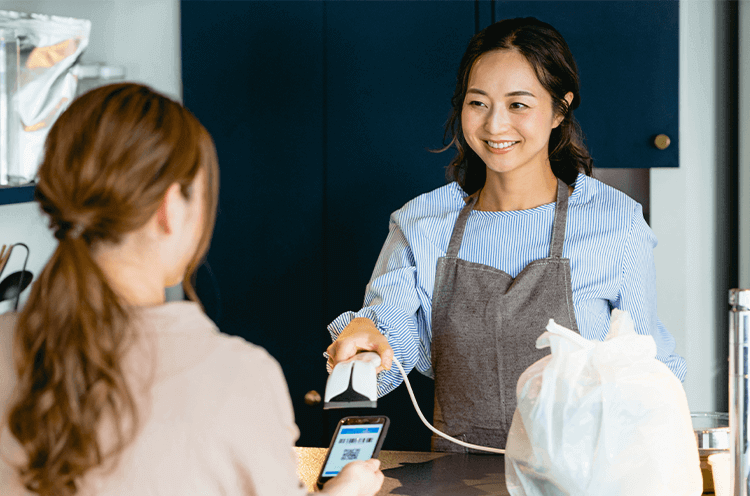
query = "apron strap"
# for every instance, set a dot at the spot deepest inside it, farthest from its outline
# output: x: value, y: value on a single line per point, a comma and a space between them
x: 558, y: 225
x: 561, y: 215
x: 458, y: 229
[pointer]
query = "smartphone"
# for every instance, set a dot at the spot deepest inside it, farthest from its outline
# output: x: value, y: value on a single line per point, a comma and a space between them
x: 356, y: 438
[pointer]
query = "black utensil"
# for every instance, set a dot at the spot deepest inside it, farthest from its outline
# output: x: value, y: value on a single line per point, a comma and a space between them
x: 14, y: 284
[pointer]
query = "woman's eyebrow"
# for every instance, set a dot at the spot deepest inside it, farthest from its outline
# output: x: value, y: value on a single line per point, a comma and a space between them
x: 512, y: 93
x: 521, y: 93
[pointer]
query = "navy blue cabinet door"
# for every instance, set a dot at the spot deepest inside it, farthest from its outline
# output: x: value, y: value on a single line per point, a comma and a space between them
x: 324, y: 115
x: 627, y: 57
x: 390, y: 76
x: 253, y: 75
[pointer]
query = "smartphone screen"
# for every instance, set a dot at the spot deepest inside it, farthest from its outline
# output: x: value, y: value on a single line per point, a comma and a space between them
x: 356, y: 438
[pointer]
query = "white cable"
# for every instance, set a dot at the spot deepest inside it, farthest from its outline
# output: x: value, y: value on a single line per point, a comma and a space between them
x: 446, y: 436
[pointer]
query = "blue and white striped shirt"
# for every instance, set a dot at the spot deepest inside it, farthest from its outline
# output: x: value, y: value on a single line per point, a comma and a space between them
x: 608, y: 242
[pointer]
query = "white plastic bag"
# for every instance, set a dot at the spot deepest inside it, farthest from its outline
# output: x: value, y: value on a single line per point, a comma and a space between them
x: 601, y: 418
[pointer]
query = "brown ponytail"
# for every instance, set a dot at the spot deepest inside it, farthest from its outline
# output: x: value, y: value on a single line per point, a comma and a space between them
x: 109, y: 160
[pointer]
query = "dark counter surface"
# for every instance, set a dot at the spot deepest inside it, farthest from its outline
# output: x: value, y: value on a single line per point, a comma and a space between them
x: 410, y: 473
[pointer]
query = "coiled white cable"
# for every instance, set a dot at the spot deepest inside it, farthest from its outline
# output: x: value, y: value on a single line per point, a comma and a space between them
x: 429, y: 426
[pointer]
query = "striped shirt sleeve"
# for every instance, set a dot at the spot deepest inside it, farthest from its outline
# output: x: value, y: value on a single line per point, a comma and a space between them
x: 393, y: 304
x: 607, y: 240
x: 637, y: 292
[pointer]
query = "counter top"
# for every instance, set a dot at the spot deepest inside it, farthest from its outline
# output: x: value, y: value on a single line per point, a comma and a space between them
x: 410, y: 473
x: 417, y: 473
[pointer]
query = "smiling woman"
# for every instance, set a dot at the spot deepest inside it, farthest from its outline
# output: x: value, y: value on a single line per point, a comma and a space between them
x: 471, y: 272
x: 532, y: 73
x: 507, y: 118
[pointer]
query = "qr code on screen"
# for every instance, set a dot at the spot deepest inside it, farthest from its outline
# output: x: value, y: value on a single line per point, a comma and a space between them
x: 350, y: 454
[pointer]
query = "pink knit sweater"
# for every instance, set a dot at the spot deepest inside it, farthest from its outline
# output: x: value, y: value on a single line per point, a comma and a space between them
x: 214, y: 410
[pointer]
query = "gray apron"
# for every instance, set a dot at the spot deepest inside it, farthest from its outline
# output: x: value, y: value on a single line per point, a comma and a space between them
x: 484, y: 329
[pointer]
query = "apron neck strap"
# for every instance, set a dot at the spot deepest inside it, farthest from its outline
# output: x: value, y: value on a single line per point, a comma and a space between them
x: 458, y: 230
x: 561, y: 215
x: 558, y: 226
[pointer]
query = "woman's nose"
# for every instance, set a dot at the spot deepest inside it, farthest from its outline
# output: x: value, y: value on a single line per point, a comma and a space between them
x: 497, y: 121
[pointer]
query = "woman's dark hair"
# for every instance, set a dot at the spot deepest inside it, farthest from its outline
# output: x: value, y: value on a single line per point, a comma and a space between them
x: 109, y: 160
x: 545, y: 49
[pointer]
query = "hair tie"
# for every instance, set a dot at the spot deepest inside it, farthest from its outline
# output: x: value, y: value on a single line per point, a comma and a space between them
x: 76, y: 232
x: 69, y: 231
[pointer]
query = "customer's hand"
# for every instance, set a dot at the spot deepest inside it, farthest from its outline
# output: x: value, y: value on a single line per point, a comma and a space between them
x: 361, y: 335
x: 357, y: 478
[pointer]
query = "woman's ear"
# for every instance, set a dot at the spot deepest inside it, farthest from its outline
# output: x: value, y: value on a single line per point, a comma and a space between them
x: 165, y: 215
x: 569, y: 97
x: 560, y: 117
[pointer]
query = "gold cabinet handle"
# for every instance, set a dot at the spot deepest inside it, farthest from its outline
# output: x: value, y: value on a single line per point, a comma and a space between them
x: 662, y: 142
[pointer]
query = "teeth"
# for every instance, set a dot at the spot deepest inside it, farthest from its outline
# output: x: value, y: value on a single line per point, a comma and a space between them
x: 505, y: 144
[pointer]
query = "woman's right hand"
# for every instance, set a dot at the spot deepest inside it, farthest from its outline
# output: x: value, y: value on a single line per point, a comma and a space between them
x: 361, y: 335
x: 357, y: 478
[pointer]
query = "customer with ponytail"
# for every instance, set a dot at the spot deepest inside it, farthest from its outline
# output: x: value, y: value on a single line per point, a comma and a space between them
x: 105, y: 388
x: 471, y: 273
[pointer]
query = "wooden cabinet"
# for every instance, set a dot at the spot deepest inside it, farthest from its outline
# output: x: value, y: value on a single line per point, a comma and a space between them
x: 324, y: 115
